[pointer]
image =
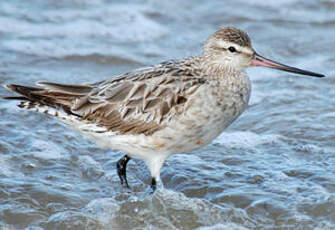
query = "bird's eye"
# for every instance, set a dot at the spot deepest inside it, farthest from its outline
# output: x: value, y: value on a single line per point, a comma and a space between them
x: 232, y: 49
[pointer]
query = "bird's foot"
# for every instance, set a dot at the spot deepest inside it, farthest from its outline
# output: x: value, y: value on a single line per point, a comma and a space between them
x: 153, y: 185
x: 121, y: 166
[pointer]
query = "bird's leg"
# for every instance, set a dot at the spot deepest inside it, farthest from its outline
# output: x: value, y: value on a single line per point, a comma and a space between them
x: 153, y: 184
x: 121, y: 166
x: 155, y: 164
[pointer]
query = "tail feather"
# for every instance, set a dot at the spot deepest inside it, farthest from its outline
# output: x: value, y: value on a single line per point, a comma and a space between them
x: 29, y: 93
x: 15, y: 98
x: 38, y: 97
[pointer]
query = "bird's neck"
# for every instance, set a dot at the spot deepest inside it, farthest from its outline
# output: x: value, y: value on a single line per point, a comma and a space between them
x: 216, y: 70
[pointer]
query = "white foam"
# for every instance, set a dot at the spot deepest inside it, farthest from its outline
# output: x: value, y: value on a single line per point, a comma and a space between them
x: 46, y: 150
x: 269, y: 3
x: 139, y: 27
x: 4, y: 226
x: 309, y: 148
x: 150, y: 211
x: 246, y: 139
x: 90, y: 167
x: 103, y: 210
x: 6, y: 169
x: 227, y: 226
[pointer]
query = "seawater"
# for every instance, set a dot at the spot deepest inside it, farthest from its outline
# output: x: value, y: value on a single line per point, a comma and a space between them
x: 272, y: 169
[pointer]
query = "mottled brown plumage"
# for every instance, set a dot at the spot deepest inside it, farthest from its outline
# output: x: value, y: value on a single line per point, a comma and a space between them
x: 140, y: 102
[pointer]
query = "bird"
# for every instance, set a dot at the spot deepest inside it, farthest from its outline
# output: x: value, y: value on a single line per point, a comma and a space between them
x: 150, y: 113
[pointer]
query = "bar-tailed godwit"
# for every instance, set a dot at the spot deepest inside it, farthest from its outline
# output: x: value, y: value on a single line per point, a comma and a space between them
x: 173, y: 107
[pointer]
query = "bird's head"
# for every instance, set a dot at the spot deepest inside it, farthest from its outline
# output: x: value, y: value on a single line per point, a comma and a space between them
x: 230, y: 49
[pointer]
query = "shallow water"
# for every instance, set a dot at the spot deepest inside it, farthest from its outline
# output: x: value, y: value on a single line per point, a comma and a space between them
x: 272, y: 169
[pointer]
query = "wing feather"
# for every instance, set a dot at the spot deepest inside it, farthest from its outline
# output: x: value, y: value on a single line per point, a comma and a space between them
x: 139, y: 102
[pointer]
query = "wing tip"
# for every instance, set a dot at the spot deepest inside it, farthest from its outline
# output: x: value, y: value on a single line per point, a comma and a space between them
x: 9, y: 87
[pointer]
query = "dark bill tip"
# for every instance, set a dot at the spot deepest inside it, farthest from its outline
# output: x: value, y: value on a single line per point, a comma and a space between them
x: 258, y: 60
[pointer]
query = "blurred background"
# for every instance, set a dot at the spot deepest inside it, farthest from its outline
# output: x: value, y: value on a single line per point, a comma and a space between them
x: 272, y: 169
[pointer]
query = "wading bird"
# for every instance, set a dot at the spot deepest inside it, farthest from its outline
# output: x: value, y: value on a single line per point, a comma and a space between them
x: 150, y: 113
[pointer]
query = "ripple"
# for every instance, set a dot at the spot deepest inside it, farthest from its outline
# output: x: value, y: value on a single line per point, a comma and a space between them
x: 46, y: 150
x: 55, y: 39
x: 151, y: 212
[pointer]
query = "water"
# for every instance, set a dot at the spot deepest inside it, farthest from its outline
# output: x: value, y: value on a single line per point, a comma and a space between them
x: 272, y: 169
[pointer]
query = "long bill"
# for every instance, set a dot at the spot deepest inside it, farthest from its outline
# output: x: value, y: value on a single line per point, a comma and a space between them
x: 258, y: 60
